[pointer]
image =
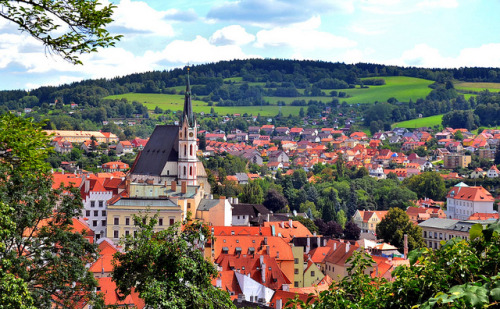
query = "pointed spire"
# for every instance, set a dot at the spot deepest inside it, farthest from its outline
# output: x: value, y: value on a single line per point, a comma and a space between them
x: 187, y: 114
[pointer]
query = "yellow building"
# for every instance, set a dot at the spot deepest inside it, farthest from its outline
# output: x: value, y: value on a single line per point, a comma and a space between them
x: 367, y: 221
x: 82, y: 136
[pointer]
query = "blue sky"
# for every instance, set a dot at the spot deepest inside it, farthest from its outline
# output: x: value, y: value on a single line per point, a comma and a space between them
x: 161, y: 35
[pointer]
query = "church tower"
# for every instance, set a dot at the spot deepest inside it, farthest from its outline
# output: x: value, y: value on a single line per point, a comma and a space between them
x: 187, y: 141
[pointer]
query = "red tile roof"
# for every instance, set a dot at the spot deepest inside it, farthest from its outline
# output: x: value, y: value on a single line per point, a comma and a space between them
x: 474, y: 194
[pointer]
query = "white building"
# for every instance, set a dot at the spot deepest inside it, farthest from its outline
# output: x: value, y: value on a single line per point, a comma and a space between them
x: 462, y: 201
x: 95, y: 198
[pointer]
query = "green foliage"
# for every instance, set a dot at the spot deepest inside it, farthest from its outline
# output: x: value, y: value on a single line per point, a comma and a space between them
x: 40, y: 249
x: 428, y: 184
x: 461, y: 274
x: 167, y: 268
x: 252, y: 193
x: 393, y: 227
x: 42, y: 20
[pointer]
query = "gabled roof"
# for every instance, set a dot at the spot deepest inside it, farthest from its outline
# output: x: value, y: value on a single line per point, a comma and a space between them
x: 474, y: 194
x: 162, y: 147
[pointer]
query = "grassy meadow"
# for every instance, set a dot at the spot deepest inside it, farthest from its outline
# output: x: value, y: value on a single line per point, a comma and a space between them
x: 401, y: 87
x: 493, y: 87
x: 420, y: 122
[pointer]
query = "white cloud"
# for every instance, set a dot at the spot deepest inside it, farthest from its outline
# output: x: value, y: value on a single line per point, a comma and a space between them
x: 198, y: 51
x: 302, y: 36
x: 422, y: 55
x: 139, y: 17
x: 231, y: 35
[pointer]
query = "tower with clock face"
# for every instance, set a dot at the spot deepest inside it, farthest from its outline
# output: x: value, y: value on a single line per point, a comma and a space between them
x: 187, y: 163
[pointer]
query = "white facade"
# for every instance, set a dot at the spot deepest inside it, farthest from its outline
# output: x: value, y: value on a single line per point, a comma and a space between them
x: 95, y: 211
x: 187, y: 154
x: 463, y: 209
x: 253, y: 290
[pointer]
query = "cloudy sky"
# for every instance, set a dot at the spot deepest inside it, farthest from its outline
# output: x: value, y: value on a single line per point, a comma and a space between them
x: 161, y: 35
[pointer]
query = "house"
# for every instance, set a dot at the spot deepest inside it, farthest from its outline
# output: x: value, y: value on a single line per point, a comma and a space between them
x: 420, y: 214
x: 139, y: 143
x: 63, y: 147
x: 215, y: 137
x: 282, y: 130
x: 247, y: 214
x: 477, y: 173
x: 296, y: 132
x: 367, y: 221
x: 89, y: 146
x: 462, y: 201
x: 278, y: 156
x: 115, y: 166
x: 267, y: 128
x: 124, y: 147
x: 493, y: 172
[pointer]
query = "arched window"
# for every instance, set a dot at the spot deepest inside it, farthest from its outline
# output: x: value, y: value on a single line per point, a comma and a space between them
x: 184, y: 170
x: 190, y: 171
x: 185, y: 150
x: 190, y: 150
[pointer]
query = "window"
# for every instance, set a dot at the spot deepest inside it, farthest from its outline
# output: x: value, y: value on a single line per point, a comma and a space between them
x: 425, y: 234
x: 103, y: 222
x: 312, y: 273
x: 190, y: 171
x: 184, y: 170
x: 115, y: 234
x: 189, y: 205
x: 190, y: 150
x: 101, y: 203
x: 296, y: 284
x: 185, y: 150
x: 296, y: 261
x: 238, y: 217
x: 104, y: 212
x: 160, y: 221
x: 296, y: 271
x: 92, y: 203
x: 96, y: 213
x: 144, y: 221
x: 127, y: 221
x: 172, y: 221
x: 117, y: 221
x: 87, y: 213
x: 94, y: 223
x: 127, y: 233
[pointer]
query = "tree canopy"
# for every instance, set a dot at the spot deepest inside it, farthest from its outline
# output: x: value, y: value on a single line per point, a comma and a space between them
x: 168, y: 268
x: 39, y: 248
x: 82, y: 23
x: 393, y: 227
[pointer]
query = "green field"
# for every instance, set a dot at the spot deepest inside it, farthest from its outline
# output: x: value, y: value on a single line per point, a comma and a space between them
x: 420, y: 122
x: 493, y: 87
x: 400, y: 87
x: 175, y: 102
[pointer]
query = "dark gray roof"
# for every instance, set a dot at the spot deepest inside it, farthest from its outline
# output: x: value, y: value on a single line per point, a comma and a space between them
x: 206, y: 204
x: 438, y: 223
x: 163, y: 146
x: 249, y: 209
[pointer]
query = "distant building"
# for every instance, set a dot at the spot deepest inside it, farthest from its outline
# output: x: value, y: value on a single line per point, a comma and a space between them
x: 462, y: 201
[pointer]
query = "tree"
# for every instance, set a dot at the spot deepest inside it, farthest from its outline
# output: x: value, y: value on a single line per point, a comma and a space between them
x: 427, y: 184
x: 352, y: 231
x: 461, y: 274
x: 393, y: 227
x: 41, y: 249
x: 85, y: 22
x: 252, y: 193
x: 167, y: 268
x: 274, y: 200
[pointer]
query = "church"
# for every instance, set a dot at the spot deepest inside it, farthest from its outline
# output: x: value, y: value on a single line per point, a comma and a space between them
x: 167, y: 180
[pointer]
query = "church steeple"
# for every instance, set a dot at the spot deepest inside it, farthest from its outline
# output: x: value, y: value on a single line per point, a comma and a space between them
x: 187, y: 114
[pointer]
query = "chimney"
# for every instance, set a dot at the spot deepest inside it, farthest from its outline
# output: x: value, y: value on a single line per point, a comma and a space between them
x: 279, y: 303
x: 87, y: 185
x: 308, y: 246
x: 324, y: 242
x: 263, y: 272
x: 235, y: 200
x: 230, y: 200
x: 277, y: 254
x: 184, y: 187
x: 265, y: 240
x: 290, y: 222
x: 347, y: 247
x: 405, y: 249
x: 282, y: 223
x: 173, y: 185
x: 218, y: 283
x: 268, y: 251
x: 286, y: 287
x: 261, y: 258
x: 334, y: 246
